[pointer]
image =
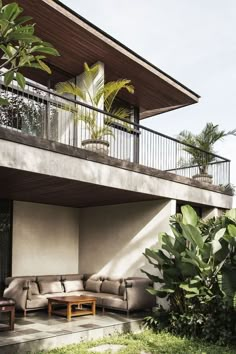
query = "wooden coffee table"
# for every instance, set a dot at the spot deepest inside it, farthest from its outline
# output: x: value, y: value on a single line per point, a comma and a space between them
x: 69, y: 301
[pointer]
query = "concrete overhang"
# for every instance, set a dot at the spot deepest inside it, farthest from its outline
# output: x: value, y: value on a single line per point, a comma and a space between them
x: 79, y: 41
x: 57, y: 174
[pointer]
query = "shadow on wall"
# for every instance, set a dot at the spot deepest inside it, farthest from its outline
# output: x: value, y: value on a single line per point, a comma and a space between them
x: 113, y: 238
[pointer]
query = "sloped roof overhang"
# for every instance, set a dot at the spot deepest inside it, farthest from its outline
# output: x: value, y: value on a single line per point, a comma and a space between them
x: 79, y: 41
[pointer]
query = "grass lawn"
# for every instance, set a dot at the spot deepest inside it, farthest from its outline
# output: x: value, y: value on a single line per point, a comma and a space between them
x: 150, y: 343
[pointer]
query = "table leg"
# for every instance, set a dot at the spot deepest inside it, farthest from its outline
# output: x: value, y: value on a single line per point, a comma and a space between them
x: 94, y: 307
x: 12, y: 318
x: 69, y: 312
x: 49, y: 308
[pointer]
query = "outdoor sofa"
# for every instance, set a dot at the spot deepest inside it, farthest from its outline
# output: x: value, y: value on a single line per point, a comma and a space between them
x: 124, y: 294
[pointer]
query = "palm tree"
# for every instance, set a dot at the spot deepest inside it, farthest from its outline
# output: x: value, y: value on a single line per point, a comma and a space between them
x: 94, y: 92
x: 205, y: 141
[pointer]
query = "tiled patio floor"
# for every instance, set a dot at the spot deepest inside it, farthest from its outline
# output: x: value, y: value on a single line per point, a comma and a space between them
x: 38, y: 332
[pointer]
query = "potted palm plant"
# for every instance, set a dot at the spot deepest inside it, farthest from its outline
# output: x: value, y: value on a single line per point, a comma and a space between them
x: 94, y: 92
x: 204, y: 141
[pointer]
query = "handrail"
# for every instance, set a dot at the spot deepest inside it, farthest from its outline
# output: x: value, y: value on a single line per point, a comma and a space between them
x: 194, y: 166
x: 138, y: 126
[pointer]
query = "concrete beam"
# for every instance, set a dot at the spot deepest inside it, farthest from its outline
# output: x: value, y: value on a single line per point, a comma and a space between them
x: 28, y: 158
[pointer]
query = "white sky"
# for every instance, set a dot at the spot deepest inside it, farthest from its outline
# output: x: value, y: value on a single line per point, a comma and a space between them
x: 193, y: 41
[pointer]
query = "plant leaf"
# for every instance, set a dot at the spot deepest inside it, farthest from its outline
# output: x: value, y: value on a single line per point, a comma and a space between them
x: 47, y: 50
x: 231, y: 214
x: 8, y: 77
x: 154, y: 278
x: 216, y: 246
x: 11, y: 11
x: 22, y: 20
x: 232, y: 230
x: 25, y: 37
x: 3, y: 102
x: 192, y: 234
x: 20, y: 79
x: 189, y: 215
x: 220, y: 234
x: 44, y: 66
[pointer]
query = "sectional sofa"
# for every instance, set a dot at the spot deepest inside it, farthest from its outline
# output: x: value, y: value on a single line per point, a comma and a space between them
x: 124, y: 294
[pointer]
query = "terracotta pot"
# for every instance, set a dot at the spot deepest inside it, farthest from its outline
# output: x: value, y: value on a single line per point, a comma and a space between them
x: 99, y: 146
x: 203, y: 177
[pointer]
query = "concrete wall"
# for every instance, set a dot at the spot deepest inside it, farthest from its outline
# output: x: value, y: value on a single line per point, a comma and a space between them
x: 112, y: 238
x: 208, y: 213
x: 45, y: 239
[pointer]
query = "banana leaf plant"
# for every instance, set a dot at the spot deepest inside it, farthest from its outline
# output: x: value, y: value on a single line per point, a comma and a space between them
x: 192, y: 261
x: 19, y: 46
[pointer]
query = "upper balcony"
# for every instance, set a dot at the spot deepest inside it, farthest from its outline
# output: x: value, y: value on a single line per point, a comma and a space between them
x: 41, y: 115
x: 128, y: 161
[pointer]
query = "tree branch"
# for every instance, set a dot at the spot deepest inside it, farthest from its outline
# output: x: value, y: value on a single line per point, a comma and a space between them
x: 10, y: 59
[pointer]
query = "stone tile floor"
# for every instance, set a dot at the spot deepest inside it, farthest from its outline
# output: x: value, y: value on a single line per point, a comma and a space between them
x: 38, y: 332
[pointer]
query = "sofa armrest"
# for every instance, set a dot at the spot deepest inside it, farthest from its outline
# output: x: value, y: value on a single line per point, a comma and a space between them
x: 18, y: 290
x: 137, y: 296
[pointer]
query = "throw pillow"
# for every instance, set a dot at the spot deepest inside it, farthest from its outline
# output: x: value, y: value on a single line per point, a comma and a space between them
x: 50, y: 287
x: 93, y: 285
x: 111, y: 287
x: 73, y: 285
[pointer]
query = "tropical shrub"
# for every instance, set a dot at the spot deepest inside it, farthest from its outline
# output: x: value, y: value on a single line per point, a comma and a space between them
x: 19, y: 46
x: 205, y: 141
x: 196, y: 271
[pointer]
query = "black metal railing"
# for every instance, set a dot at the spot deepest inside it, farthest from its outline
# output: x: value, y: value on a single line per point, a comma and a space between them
x: 43, y: 113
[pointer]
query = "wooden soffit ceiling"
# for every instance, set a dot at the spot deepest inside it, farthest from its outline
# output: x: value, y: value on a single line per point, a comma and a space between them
x: 79, y: 41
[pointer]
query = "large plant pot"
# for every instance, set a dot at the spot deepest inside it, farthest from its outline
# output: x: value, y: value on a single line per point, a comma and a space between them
x: 99, y: 146
x: 203, y: 177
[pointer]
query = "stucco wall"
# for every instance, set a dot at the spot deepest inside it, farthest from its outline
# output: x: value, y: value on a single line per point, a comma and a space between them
x: 45, y: 239
x: 112, y: 238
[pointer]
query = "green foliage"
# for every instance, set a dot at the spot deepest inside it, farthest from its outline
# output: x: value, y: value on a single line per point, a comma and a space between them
x: 26, y: 115
x: 214, y: 322
x: 94, y: 92
x: 19, y: 46
x: 146, y: 342
x: 205, y: 141
x: 196, y: 272
x: 228, y: 188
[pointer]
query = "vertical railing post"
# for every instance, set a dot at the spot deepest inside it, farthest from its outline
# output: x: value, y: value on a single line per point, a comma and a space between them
x: 76, y: 123
x: 136, y: 135
x: 46, y: 131
x: 228, y: 177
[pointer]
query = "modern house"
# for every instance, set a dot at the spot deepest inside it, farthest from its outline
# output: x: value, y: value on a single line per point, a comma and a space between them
x: 65, y: 209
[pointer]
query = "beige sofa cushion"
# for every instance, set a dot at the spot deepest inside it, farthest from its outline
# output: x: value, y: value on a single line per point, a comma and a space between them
x: 34, y: 289
x: 40, y: 301
x: 114, y: 301
x: 73, y: 285
x: 93, y: 285
x: 111, y: 287
x: 49, y: 287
